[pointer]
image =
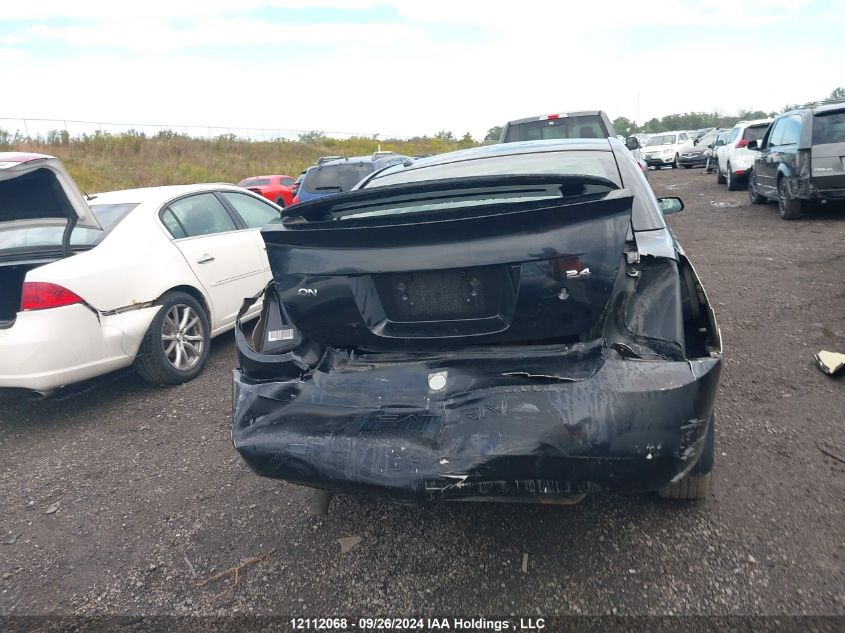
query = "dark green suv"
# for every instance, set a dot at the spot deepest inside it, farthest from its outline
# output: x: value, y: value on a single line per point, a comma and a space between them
x: 801, y: 159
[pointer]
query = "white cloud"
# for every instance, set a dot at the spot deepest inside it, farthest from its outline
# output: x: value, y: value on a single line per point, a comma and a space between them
x: 9, y: 54
x: 406, y: 78
x: 151, y: 35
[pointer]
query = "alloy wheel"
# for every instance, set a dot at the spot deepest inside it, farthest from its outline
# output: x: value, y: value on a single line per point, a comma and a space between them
x: 182, y: 337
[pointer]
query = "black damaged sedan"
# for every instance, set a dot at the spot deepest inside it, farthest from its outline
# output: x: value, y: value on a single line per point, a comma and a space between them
x: 513, y: 321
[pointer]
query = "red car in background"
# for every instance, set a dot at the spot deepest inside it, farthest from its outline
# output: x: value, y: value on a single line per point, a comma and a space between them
x: 278, y: 189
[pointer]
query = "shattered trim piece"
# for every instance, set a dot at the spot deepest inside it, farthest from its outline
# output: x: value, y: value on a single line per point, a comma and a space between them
x: 830, y: 363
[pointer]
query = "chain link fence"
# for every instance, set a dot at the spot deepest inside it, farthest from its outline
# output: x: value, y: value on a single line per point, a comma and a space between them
x: 57, y: 130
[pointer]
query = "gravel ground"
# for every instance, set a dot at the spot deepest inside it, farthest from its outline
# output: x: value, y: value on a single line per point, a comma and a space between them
x: 147, y: 493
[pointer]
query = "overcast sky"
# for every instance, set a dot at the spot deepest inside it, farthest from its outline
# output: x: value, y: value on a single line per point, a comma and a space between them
x: 408, y: 67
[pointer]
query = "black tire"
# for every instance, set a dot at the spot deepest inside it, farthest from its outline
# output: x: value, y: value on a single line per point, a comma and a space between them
x: 675, y: 162
x: 280, y: 201
x: 790, y: 208
x: 753, y: 196
x: 733, y: 185
x: 153, y: 362
x: 695, y: 485
x: 720, y: 179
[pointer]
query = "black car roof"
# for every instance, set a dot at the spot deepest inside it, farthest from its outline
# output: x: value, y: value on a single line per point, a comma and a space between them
x: 829, y: 107
x: 816, y: 109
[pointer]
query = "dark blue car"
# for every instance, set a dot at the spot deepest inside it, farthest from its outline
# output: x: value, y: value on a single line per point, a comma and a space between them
x: 335, y: 174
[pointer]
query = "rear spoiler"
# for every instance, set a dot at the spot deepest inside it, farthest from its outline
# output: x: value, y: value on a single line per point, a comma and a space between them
x: 371, y: 198
x: 515, y: 233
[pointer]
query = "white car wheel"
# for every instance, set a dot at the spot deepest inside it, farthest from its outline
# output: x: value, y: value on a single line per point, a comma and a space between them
x: 175, y: 347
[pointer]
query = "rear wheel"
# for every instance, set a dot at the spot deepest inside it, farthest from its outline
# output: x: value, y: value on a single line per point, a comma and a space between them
x: 753, y: 196
x: 280, y: 201
x: 696, y: 483
x: 175, y: 347
x: 790, y: 208
x: 720, y: 179
x: 733, y: 185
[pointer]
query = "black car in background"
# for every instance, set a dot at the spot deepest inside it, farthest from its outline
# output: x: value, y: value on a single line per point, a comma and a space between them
x: 696, y: 156
x: 336, y: 174
x: 801, y: 159
x: 711, y: 164
x: 510, y: 321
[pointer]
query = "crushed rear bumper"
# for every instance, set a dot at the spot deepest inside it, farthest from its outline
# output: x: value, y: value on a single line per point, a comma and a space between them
x: 560, y: 424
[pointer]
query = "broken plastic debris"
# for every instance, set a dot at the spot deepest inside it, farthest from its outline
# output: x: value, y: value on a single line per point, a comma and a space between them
x: 53, y: 508
x: 348, y: 543
x: 524, y: 563
x: 830, y: 453
x: 11, y: 538
x: 830, y: 362
x: 724, y: 205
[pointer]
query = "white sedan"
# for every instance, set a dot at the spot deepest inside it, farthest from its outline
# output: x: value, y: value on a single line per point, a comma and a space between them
x: 142, y: 276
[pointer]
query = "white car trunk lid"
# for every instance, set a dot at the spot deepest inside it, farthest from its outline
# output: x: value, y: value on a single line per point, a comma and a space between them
x: 36, y: 191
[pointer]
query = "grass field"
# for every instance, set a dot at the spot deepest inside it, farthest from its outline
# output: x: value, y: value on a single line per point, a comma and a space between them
x: 105, y: 162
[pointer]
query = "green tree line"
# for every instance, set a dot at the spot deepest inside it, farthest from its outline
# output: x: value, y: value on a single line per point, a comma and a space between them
x: 698, y: 120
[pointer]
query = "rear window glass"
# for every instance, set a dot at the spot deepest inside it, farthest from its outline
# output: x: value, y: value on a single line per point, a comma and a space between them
x: 201, y: 214
x: 335, y: 178
x: 253, y: 212
x: 705, y: 140
x: 108, y: 215
x: 573, y: 162
x: 829, y: 128
x: 254, y: 182
x: 489, y: 198
x: 564, y: 127
x: 755, y: 133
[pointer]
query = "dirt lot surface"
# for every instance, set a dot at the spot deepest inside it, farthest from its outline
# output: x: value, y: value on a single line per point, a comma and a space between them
x: 148, y: 494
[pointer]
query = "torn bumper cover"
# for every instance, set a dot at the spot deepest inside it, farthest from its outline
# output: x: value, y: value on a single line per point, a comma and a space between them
x: 552, y: 421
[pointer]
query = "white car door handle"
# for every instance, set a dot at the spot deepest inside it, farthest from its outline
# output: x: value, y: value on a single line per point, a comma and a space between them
x: 205, y: 258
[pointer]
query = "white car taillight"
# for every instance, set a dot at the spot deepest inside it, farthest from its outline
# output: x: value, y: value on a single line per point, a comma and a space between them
x: 39, y: 295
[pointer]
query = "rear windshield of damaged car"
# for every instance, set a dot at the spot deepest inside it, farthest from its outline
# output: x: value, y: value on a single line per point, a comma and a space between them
x: 488, y: 199
x: 829, y: 128
x: 566, y: 163
x: 335, y: 178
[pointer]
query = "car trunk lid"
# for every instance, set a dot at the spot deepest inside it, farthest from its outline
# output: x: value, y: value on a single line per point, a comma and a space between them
x: 828, y: 165
x: 37, y: 191
x: 480, y: 261
x: 828, y: 149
